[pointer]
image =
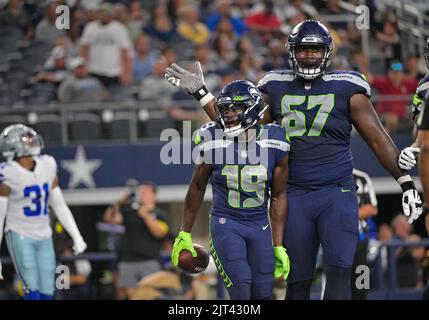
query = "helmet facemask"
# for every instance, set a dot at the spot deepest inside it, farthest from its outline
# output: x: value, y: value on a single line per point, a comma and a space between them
x: 235, y: 115
x: 309, y: 68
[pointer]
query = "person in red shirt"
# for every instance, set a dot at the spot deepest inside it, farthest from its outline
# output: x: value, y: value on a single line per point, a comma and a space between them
x: 394, y: 91
x: 265, y: 22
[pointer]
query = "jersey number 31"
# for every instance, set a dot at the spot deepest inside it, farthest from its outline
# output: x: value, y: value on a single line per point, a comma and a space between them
x: 38, y: 205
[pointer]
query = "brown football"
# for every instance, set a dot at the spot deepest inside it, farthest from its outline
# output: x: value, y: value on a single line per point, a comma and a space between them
x: 189, y: 264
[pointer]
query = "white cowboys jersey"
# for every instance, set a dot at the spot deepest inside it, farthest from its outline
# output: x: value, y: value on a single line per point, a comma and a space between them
x: 28, y: 205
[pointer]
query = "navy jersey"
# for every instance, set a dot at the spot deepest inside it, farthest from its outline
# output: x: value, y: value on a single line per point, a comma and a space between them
x: 242, y: 172
x: 316, y: 117
x: 422, y: 92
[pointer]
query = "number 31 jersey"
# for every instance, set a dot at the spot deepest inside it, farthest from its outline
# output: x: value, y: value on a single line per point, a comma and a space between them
x: 242, y: 172
x: 28, y: 205
x: 317, y: 120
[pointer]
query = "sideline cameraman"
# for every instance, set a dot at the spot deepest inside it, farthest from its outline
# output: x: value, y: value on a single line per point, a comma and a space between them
x: 145, y: 228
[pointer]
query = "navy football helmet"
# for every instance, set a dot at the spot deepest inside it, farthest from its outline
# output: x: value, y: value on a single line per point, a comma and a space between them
x: 310, y: 33
x: 239, y: 106
x: 427, y: 53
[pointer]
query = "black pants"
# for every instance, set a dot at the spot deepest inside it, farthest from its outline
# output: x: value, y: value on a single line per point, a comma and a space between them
x: 107, y: 81
x: 360, y: 258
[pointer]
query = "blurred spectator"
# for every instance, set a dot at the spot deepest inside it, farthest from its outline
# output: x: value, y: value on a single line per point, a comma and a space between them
x: 144, y: 59
x: 137, y: 19
x: 248, y: 68
x: 277, y: 56
x: 105, y: 46
x: 360, y: 62
x: 55, y: 68
x: 154, y: 87
x: 79, y: 86
x: 332, y: 7
x: 15, y: 17
x: 241, y: 8
x: 412, y: 68
x: 419, y: 255
x: 224, y: 50
x: 80, y: 269
x: 207, y: 59
x: 264, y: 22
x: 299, y: 7
x: 389, y: 41
x: 190, y: 28
x: 146, y: 227
x: 46, y: 30
x: 222, y: 10
x: 73, y: 38
x: 169, y: 55
x: 161, y: 27
x: 121, y: 13
x: 407, y: 266
x: 399, y: 88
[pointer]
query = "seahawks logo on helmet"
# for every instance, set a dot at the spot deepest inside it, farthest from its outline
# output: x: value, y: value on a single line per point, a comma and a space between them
x: 18, y: 140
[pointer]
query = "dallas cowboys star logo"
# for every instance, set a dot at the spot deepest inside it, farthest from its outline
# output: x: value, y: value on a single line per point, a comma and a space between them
x: 81, y: 169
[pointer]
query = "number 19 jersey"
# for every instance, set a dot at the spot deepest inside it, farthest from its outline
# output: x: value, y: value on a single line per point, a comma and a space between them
x: 28, y: 205
x: 242, y: 172
x: 316, y: 116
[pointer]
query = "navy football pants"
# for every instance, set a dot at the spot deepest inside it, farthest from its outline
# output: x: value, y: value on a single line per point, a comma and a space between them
x: 244, y: 256
x: 328, y: 217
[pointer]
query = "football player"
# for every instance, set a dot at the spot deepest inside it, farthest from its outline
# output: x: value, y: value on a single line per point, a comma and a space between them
x: 241, y: 242
x: 28, y: 186
x: 423, y: 134
x: 408, y: 156
x: 318, y: 108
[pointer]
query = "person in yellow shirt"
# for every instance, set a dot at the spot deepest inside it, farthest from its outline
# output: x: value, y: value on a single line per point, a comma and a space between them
x: 190, y: 28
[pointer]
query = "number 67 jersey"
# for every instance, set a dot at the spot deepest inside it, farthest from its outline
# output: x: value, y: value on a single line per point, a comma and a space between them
x: 28, y: 205
x: 316, y: 116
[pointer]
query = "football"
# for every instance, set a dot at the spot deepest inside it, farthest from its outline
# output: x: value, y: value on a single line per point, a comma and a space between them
x: 189, y: 264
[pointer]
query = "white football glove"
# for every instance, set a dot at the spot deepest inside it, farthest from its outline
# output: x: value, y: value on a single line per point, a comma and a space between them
x: 182, y: 78
x: 407, y: 158
x: 1, y: 276
x: 412, y: 205
x: 79, y: 245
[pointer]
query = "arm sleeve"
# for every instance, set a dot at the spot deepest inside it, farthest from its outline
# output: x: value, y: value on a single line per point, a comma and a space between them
x: 64, y: 214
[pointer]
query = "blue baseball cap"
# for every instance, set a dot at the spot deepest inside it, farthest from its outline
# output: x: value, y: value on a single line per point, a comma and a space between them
x: 396, y: 66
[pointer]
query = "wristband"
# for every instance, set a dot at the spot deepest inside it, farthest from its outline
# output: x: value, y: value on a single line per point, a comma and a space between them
x: 406, y: 183
x: 203, y: 95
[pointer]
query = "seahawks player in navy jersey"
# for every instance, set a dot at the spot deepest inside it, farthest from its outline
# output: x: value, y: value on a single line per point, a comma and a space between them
x: 407, y: 158
x: 318, y: 109
x: 247, y: 165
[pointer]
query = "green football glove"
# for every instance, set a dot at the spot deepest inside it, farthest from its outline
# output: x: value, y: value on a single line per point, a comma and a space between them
x: 282, y: 263
x: 183, y: 241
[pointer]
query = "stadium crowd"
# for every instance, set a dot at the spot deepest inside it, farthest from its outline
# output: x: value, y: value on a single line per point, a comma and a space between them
x: 118, y: 50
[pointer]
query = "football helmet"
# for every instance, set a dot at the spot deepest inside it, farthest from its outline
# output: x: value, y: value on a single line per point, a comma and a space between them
x: 18, y: 140
x: 309, y: 33
x: 239, y: 107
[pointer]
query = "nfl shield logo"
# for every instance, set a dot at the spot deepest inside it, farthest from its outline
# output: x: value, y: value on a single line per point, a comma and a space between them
x: 222, y: 220
x: 243, y: 153
x: 307, y: 86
